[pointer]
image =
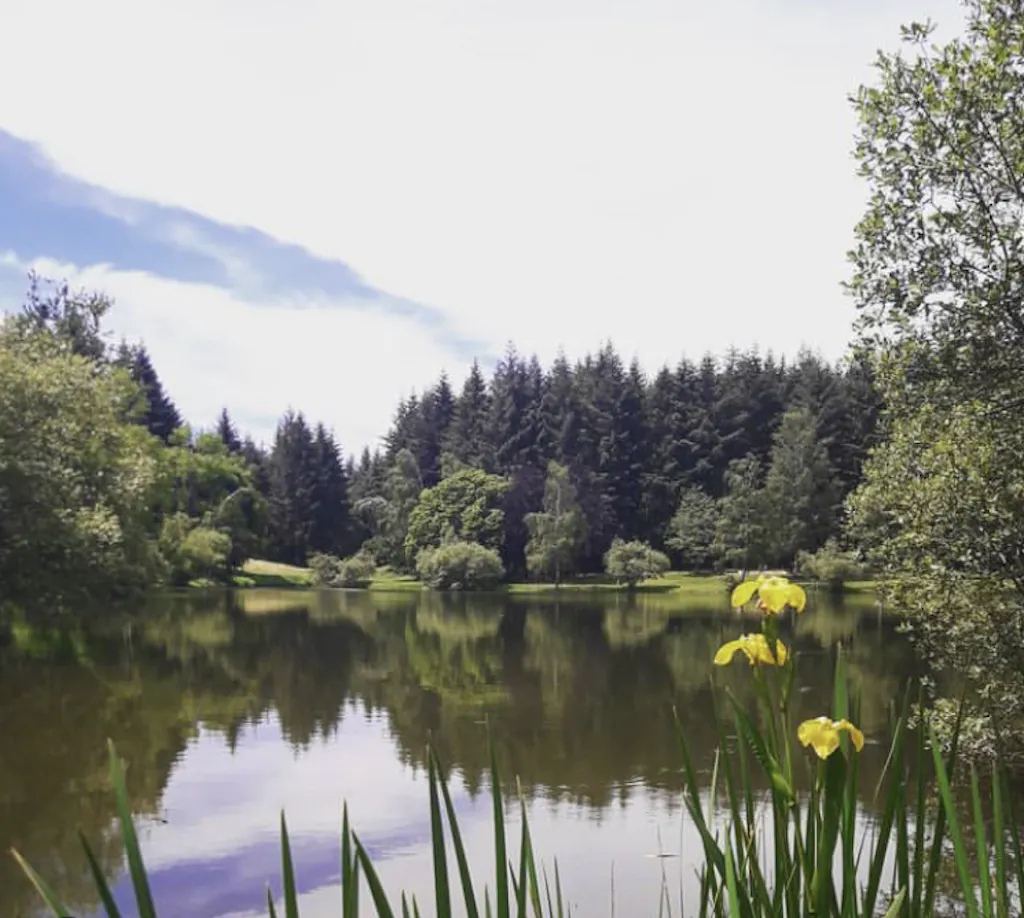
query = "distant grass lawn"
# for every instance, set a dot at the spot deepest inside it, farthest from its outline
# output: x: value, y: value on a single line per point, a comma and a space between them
x: 257, y: 573
x: 271, y: 574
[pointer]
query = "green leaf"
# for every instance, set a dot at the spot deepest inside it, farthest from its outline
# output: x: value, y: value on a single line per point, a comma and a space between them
x: 956, y: 836
x: 136, y: 867
x: 441, y: 892
x: 380, y: 900
x: 465, y: 876
x: 99, y: 880
x: 291, y: 904
x: 42, y: 887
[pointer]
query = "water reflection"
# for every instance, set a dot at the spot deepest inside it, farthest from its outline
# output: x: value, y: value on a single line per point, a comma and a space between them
x: 229, y: 707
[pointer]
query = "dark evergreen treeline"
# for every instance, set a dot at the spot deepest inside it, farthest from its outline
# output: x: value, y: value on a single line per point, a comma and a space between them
x: 634, y: 448
x: 741, y: 460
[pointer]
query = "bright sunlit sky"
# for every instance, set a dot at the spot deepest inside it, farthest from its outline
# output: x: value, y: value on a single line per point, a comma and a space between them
x: 324, y: 203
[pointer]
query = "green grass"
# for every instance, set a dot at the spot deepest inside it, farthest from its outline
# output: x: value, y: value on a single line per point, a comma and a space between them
x: 257, y: 573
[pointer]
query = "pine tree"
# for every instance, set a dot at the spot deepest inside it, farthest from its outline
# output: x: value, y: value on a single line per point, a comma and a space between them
x: 468, y: 440
x: 293, y: 483
x: 330, y: 530
x: 259, y: 465
x: 161, y: 417
x: 227, y: 432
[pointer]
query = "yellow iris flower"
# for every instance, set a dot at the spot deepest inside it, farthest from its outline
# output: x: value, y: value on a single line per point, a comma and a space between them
x: 773, y: 593
x: 822, y: 735
x: 756, y: 648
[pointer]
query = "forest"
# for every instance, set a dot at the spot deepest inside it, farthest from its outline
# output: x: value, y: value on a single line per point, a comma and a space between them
x: 544, y: 467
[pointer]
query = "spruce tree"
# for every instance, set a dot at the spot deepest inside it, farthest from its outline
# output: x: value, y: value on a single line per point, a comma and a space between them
x: 227, y: 432
x: 161, y: 418
x: 293, y: 483
x: 468, y: 438
x: 330, y: 530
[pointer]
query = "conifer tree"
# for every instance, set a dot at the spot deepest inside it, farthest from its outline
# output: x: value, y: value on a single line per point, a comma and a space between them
x: 161, y: 418
x: 330, y: 530
x: 468, y: 438
x: 293, y: 482
x: 227, y: 432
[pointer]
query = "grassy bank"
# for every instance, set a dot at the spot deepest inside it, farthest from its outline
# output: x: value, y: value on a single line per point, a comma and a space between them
x: 257, y: 573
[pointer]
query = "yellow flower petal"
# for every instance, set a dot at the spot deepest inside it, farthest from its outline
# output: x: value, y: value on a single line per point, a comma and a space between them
x: 756, y: 649
x: 796, y: 597
x: 855, y: 735
x: 822, y: 735
x: 743, y: 594
x: 727, y: 651
x: 774, y: 594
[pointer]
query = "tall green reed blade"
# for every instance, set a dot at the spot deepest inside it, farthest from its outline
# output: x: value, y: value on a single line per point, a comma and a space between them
x: 558, y: 890
x: 291, y: 903
x: 893, y: 771
x: 99, y: 880
x: 349, y: 871
x: 956, y: 836
x: 521, y: 894
x: 531, y: 863
x: 982, y: 846
x: 935, y: 858
x: 271, y: 911
x: 465, y: 876
x: 42, y: 887
x: 380, y: 900
x: 136, y: 867
x: 500, y: 853
x: 415, y: 908
x: 999, y: 842
x: 442, y: 895
x: 692, y: 799
x: 920, y: 817
x: 405, y: 907
x: 1015, y: 842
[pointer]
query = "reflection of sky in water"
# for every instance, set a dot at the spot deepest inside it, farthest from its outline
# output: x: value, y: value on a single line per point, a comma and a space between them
x: 220, y: 845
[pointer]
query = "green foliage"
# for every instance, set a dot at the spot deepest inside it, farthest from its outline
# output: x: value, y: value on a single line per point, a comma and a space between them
x: 330, y: 571
x: 459, y: 566
x: 631, y: 562
x: 830, y: 565
x: 937, y: 272
x: 466, y: 506
x: 798, y: 491
x: 691, y: 531
x: 77, y: 479
x: 558, y: 531
x: 743, y: 536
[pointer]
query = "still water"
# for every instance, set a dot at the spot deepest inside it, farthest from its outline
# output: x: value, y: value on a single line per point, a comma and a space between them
x: 229, y: 707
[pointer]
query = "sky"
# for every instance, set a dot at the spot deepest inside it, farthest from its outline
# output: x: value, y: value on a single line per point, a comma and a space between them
x: 322, y: 204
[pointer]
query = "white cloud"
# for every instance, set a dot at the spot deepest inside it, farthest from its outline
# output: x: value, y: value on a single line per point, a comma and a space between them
x: 339, y: 362
x: 674, y: 177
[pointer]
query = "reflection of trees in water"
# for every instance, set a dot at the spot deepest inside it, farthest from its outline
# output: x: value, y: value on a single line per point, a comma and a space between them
x: 579, y: 696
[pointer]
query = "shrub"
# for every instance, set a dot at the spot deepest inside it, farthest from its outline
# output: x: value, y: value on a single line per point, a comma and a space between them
x: 459, y: 566
x: 326, y: 569
x: 830, y: 565
x: 330, y: 571
x: 359, y: 569
x: 631, y: 562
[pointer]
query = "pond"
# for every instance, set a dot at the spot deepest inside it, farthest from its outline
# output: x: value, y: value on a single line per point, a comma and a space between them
x: 229, y: 707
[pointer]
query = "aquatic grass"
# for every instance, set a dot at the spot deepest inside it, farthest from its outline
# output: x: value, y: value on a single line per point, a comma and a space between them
x: 794, y: 852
